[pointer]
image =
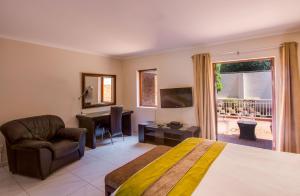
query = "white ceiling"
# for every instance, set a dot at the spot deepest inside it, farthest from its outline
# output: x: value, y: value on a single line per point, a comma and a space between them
x: 132, y: 27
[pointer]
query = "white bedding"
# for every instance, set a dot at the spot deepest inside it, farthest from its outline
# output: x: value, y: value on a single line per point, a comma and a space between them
x: 247, y: 171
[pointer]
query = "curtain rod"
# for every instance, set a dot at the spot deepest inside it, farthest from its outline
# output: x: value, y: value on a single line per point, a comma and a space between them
x: 238, y: 52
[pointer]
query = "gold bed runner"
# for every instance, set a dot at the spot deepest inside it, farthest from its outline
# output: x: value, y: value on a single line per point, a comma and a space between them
x: 193, y: 177
x: 167, y: 181
x: 172, y: 170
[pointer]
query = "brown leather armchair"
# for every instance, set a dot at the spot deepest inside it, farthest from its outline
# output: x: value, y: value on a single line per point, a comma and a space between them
x: 39, y: 145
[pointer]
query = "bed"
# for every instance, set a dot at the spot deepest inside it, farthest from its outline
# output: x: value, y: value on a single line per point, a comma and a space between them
x: 229, y: 170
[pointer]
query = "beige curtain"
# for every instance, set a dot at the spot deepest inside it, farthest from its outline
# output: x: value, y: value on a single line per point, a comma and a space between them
x: 289, y: 125
x: 205, y: 95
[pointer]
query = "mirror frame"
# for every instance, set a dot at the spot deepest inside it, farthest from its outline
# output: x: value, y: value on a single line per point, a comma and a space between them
x: 83, y: 75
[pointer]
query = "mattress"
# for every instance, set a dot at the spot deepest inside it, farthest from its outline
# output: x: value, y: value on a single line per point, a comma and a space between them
x: 242, y: 170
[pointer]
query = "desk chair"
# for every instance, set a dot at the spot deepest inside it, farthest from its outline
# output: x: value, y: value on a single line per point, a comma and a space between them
x: 116, y: 122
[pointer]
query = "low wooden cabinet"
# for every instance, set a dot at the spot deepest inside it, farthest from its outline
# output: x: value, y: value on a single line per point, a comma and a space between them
x: 163, y: 135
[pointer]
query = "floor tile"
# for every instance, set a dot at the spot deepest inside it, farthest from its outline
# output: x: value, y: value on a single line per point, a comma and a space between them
x: 83, y: 177
x: 61, y: 187
x: 96, y: 168
x: 57, y: 185
x: 97, y: 181
x: 85, y: 160
x: 8, y: 186
x: 88, y: 190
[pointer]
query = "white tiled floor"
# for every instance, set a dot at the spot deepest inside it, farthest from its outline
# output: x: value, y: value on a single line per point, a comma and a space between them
x: 83, y: 177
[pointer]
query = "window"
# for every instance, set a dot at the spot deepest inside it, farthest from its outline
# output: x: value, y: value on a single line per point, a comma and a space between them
x: 107, y: 89
x: 148, y: 88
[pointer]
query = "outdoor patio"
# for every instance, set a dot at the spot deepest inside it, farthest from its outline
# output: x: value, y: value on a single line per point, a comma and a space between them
x: 244, y: 92
x: 228, y: 131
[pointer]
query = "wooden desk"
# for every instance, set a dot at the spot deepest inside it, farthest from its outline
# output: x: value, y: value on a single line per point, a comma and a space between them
x: 90, y: 121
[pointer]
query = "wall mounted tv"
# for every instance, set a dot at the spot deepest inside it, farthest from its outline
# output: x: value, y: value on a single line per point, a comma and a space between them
x: 176, y: 97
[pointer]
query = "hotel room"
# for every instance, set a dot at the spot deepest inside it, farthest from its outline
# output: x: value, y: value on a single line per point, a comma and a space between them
x: 132, y: 97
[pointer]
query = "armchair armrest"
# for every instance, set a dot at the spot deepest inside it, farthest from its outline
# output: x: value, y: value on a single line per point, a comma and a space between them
x: 71, y: 133
x: 32, y: 144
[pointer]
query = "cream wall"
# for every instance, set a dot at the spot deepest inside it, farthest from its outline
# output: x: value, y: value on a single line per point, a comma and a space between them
x: 175, y: 69
x: 37, y: 80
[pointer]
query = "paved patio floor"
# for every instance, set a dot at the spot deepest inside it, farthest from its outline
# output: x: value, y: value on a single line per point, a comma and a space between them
x: 228, y: 131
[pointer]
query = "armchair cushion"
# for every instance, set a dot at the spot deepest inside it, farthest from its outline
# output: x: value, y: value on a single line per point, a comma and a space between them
x: 71, y: 133
x: 59, y: 148
x: 62, y: 148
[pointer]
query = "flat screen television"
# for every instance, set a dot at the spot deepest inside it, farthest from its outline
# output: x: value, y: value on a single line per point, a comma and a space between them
x: 176, y: 97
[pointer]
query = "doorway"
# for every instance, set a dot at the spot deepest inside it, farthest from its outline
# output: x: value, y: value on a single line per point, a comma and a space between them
x: 244, y: 102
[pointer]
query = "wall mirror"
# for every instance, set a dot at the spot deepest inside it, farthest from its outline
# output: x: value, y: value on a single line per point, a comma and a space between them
x: 98, y: 90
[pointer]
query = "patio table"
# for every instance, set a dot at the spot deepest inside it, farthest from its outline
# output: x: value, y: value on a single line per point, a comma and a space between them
x: 247, y: 129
